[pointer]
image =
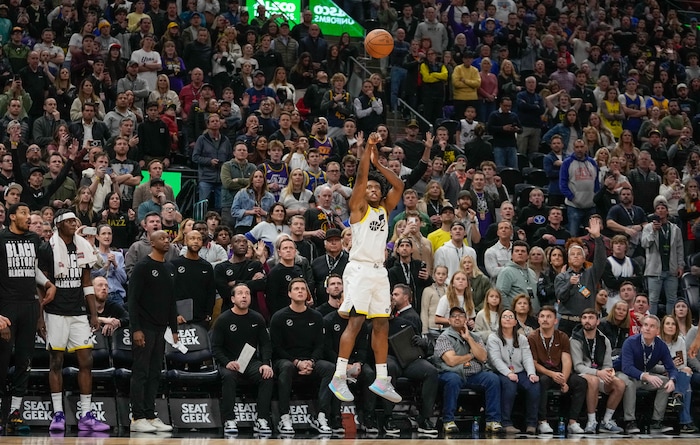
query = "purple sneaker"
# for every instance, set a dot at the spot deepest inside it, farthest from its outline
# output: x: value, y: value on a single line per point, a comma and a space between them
x: 89, y: 422
x: 58, y: 423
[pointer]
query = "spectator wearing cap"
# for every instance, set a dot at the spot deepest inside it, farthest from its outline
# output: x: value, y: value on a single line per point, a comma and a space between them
x: 286, y: 46
x: 332, y: 262
x: 104, y: 39
x: 685, y: 103
x: 451, y: 253
x: 34, y: 193
x: 15, y: 51
x: 657, y: 148
x: 258, y: 92
x: 441, y: 235
x: 83, y: 59
x: 233, y: 13
x: 190, y: 33
x: 12, y: 194
x: 158, y: 198
x: 465, y: 83
x: 149, y: 61
x: 173, y: 33
x: 132, y: 82
x: 56, y: 54
x: 460, y: 357
x: 663, y: 245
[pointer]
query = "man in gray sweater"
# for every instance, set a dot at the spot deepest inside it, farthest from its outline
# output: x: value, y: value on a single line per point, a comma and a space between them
x: 591, y: 355
x: 576, y: 286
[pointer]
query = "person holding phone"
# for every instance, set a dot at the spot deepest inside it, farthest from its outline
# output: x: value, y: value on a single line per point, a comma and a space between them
x: 98, y: 179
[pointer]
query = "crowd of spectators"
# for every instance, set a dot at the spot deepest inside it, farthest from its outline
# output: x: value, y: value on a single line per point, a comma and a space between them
x: 605, y: 97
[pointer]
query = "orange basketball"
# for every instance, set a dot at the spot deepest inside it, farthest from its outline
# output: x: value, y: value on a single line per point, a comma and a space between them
x: 379, y: 43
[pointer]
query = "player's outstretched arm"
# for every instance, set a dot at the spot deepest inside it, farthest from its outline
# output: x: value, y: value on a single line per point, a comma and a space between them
x: 357, y: 202
x: 396, y: 191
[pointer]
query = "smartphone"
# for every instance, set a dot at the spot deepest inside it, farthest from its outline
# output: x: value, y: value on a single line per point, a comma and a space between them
x: 423, y: 265
x: 110, y: 170
x: 413, y: 220
x: 90, y: 231
x: 16, y: 78
x: 95, y: 143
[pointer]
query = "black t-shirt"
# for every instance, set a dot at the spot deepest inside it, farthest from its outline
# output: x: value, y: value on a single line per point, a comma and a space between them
x: 17, y: 262
x: 122, y: 168
x: 69, y: 299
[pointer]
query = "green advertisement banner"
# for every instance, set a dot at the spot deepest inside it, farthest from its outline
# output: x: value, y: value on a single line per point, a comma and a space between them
x: 289, y: 9
x: 333, y: 21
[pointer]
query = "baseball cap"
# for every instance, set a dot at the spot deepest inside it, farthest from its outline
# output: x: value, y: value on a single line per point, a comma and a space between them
x: 404, y: 241
x: 157, y: 181
x: 114, y: 45
x: 171, y: 106
x: 490, y: 19
x: 464, y: 194
x: 655, y: 131
x: 197, y: 14
x: 132, y: 63
x: 616, y: 48
x: 457, y: 309
x: 258, y: 73
x: 14, y: 186
x: 103, y: 23
x: 458, y: 223
x: 206, y: 85
x: 681, y: 85
x: 173, y: 25
x: 447, y: 208
x: 412, y: 123
x: 17, y: 29
x: 36, y: 169
x: 333, y: 233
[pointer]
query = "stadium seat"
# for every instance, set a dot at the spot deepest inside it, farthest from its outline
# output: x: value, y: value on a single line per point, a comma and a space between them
x: 510, y: 177
x: 195, y: 370
x: 452, y: 128
x: 521, y: 195
x: 537, y: 176
x: 102, y: 369
x: 523, y: 161
x: 691, y: 292
x: 537, y: 160
x: 122, y: 359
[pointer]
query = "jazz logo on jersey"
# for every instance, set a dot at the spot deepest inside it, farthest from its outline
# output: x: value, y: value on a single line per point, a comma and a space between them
x: 378, y: 225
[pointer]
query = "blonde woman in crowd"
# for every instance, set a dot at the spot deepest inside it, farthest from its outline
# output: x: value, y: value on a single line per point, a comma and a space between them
x: 430, y: 298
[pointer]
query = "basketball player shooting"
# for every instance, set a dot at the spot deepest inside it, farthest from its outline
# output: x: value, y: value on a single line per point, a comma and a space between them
x: 365, y: 280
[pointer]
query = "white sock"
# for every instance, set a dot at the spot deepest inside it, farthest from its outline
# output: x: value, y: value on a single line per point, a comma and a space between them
x: 382, y: 371
x: 591, y: 417
x: 341, y: 367
x: 608, y: 415
x: 15, y: 404
x: 57, y: 400
x: 85, y: 403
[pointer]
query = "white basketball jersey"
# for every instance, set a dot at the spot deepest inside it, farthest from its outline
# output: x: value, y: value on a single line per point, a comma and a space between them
x: 369, y: 236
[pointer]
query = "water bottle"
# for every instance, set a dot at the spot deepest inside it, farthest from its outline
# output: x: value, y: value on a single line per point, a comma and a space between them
x: 475, y: 428
x: 561, y: 430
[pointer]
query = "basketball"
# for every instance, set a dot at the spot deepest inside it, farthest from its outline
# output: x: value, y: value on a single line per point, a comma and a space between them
x: 379, y: 43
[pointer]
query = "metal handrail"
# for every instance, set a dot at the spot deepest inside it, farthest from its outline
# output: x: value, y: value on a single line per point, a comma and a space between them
x: 415, y: 113
x: 364, y: 68
x: 401, y: 101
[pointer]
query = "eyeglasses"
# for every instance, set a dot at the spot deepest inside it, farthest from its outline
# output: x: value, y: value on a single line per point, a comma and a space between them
x: 507, y: 317
x: 458, y: 315
x: 169, y: 209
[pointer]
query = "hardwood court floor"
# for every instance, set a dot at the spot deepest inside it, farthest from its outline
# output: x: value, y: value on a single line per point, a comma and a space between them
x: 197, y: 439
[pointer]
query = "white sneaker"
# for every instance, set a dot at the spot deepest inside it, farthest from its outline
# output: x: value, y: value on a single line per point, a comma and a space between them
x: 142, y: 426
x: 230, y: 427
x: 591, y: 427
x: 544, y: 428
x: 320, y: 424
x: 285, y: 425
x: 261, y: 426
x: 160, y: 426
x: 575, y: 428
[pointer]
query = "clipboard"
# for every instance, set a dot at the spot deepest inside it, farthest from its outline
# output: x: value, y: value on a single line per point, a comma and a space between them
x: 185, y: 308
x: 405, y: 352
